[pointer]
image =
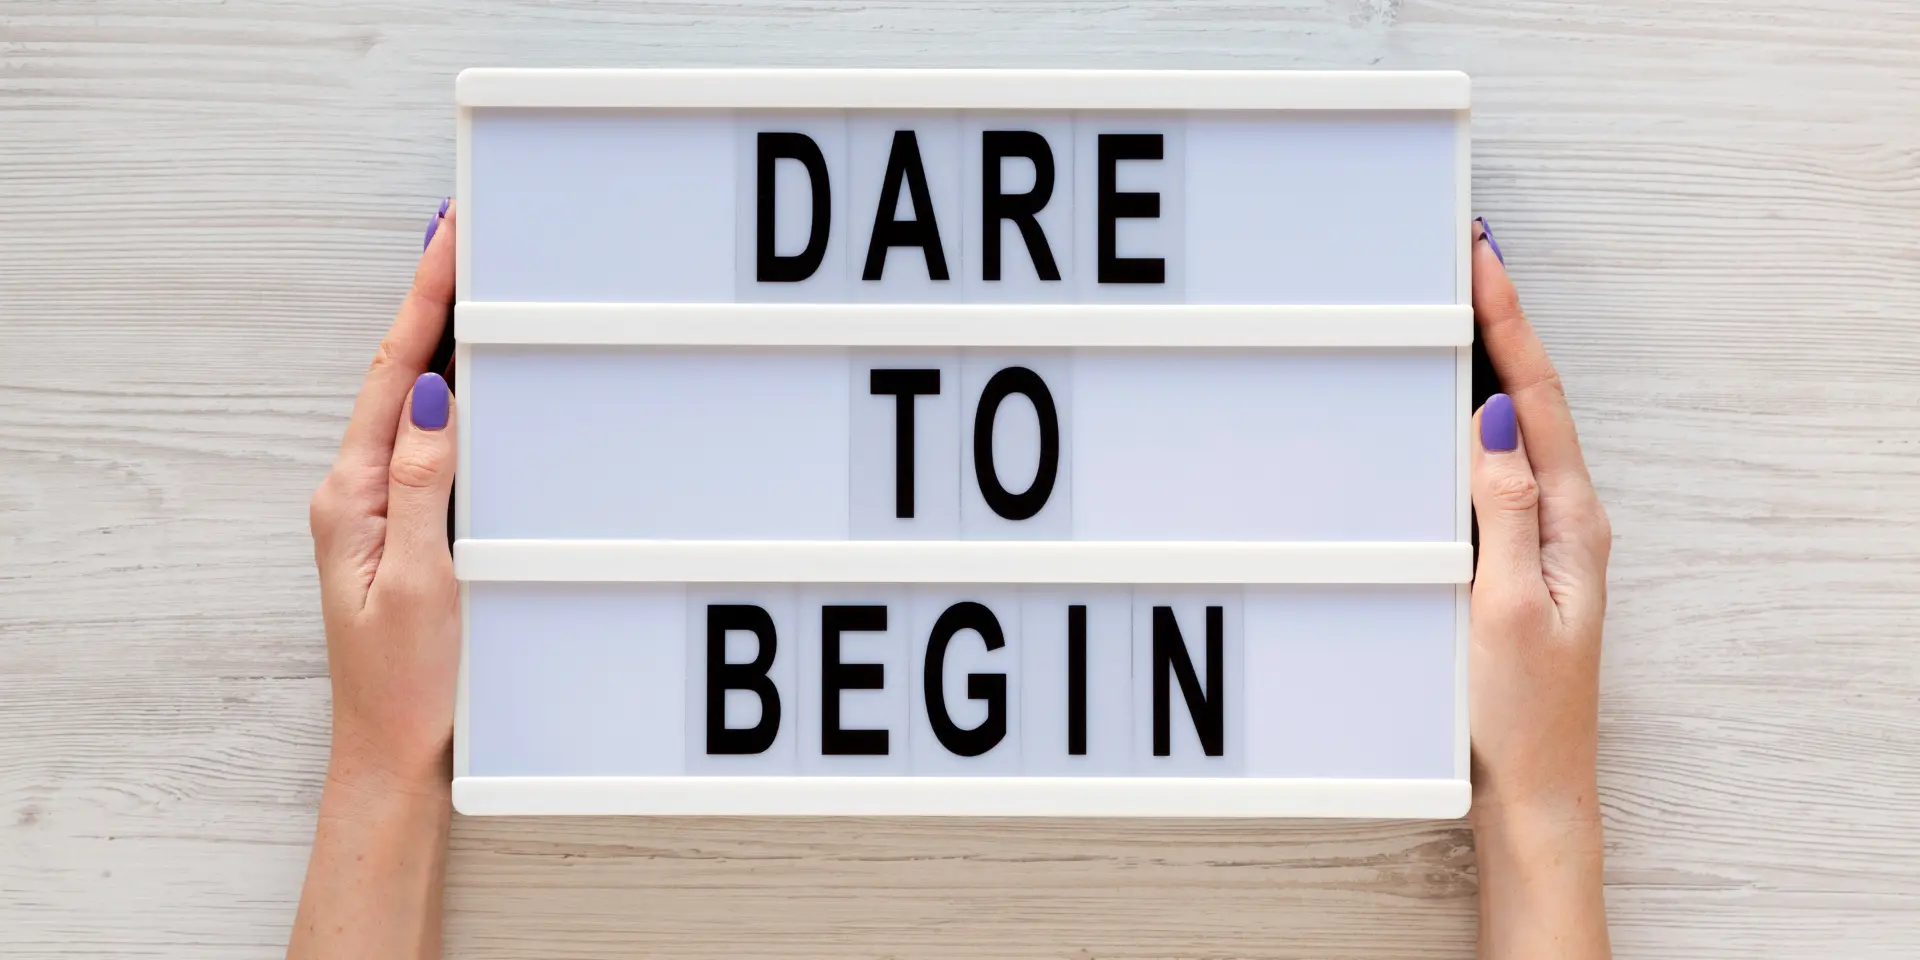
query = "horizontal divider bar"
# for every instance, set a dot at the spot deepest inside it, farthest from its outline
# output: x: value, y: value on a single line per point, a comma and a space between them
x: 961, y: 796
x: 959, y: 561
x: 848, y: 89
x: 963, y: 325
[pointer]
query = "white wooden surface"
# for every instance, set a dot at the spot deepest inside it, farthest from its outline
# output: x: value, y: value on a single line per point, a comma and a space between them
x: 208, y: 212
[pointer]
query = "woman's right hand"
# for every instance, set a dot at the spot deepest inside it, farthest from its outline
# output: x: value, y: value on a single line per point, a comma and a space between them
x: 392, y: 610
x: 1539, y: 602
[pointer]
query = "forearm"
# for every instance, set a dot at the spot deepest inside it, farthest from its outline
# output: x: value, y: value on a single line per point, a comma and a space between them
x: 373, y: 887
x: 1541, y: 883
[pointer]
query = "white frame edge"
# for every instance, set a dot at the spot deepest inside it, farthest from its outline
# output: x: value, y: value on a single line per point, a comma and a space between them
x: 959, y: 561
x: 962, y: 796
x: 463, y: 395
x: 963, y: 325
x: 1463, y: 440
x: 913, y: 89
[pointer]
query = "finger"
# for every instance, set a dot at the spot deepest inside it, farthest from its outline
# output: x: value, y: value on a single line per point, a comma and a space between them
x: 419, y: 485
x: 403, y: 354
x: 1506, y: 499
x: 1524, y: 369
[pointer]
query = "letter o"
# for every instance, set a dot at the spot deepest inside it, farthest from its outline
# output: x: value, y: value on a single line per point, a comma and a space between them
x: 1026, y: 503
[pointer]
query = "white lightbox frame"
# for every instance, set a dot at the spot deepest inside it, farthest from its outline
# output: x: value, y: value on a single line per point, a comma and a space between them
x: 968, y: 325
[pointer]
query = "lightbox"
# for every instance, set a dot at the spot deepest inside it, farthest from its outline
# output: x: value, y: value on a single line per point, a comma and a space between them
x: 963, y: 442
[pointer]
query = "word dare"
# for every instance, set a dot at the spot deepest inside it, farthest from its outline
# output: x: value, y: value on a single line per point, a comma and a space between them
x: 904, y: 185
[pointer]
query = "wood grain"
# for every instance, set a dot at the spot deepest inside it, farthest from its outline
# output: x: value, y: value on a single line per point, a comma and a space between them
x: 208, y: 211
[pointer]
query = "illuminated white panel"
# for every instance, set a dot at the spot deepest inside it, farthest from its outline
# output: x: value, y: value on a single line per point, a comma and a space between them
x: 583, y: 442
x: 770, y: 443
x: 1322, y: 682
x: 1336, y: 208
x: 602, y: 207
x: 576, y: 680
x: 1334, y: 445
x: 640, y: 206
x: 1352, y: 682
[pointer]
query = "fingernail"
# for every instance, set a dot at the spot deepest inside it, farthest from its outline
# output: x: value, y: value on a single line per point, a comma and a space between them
x: 430, y: 402
x: 434, y: 224
x: 1499, y: 431
x: 1485, y: 231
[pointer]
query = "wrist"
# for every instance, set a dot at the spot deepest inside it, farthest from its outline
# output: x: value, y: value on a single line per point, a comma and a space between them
x: 1553, y: 823
x: 1541, y: 861
x: 375, y: 876
x: 1564, y: 790
x: 361, y: 767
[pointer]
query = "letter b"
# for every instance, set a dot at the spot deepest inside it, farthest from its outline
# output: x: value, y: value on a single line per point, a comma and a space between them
x: 724, y: 618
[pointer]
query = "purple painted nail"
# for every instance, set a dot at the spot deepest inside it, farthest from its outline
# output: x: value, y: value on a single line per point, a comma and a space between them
x: 1499, y: 431
x: 1487, y: 232
x: 430, y: 402
x: 434, y: 224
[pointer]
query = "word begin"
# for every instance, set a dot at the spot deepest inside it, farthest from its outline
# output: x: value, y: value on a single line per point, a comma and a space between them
x: 1189, y: 661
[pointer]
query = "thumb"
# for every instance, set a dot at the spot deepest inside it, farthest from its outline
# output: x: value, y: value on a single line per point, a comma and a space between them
x: 420, y: 483
x: 1506, y: 499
